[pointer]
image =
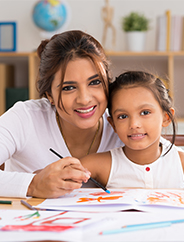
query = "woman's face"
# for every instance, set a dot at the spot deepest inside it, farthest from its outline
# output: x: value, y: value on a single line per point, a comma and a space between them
x: 82, y: 94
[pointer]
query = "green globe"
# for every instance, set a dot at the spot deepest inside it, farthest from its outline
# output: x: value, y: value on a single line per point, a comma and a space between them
x: 50, y: 15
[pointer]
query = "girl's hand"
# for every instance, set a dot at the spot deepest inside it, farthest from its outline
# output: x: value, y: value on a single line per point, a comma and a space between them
x: 58, y: 178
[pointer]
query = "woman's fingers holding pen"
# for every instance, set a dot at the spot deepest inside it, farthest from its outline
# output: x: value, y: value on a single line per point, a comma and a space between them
x: 58, y: 178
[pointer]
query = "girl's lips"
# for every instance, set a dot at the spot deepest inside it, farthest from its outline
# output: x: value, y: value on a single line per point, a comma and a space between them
x: 137, y: 136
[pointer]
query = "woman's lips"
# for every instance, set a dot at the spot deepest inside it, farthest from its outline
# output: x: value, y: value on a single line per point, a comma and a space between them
x: 86, y: 112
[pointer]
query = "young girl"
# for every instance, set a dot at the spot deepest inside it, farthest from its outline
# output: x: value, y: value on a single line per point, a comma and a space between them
x: 139, y: 106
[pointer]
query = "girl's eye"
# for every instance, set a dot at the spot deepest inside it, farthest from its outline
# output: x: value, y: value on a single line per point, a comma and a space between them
x: 68, y: 88
x: 123, y: 116
x: 95, y: 82
x: 146, y: 112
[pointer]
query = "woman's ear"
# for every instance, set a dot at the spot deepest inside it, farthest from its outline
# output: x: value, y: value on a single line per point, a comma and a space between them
x: 167, y: 120
x: 49, y: 96
x: 110, y: 120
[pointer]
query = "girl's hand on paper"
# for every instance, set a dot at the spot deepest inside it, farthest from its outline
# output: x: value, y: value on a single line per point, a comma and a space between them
x: 58, y: 178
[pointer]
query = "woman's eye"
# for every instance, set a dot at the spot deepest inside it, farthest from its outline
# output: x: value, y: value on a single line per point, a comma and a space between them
x: 68, y: 88
x: 95, y: 82
x: 146, y: 112
x: 123, y: 116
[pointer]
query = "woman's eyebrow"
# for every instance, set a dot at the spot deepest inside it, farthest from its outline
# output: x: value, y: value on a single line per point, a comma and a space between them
x: 92, y: 77
x: 74, y: 82
x: 69, y: 82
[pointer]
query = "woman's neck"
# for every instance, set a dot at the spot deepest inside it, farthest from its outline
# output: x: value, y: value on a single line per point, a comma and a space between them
x: 144, y: 156
x: 81, y: 142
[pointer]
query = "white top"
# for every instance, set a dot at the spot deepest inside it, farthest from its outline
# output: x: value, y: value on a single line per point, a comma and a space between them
x: 165, y: 172
x: 27, y: 131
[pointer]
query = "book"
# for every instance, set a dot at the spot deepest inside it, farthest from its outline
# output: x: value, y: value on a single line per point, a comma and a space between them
x: 168, y: 29
x: 161, y: 32
x: 176, y: 32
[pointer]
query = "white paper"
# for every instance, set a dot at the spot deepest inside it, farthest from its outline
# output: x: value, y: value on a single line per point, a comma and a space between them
x: 119, y: 199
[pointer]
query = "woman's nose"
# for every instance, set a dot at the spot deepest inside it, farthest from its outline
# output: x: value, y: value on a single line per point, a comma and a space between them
x: 83, y: 96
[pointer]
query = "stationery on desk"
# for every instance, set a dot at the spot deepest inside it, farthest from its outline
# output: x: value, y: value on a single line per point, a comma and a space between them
x: 5, y: 202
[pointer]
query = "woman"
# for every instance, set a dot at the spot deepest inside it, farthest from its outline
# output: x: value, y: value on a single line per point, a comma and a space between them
x: 69, y: 117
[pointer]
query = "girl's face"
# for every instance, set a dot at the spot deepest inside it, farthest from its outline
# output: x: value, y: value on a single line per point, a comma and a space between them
x: 82, y: 94
x: 137, y: 117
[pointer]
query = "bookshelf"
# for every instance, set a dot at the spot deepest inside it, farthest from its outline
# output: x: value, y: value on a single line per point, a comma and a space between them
x: 164, y: 64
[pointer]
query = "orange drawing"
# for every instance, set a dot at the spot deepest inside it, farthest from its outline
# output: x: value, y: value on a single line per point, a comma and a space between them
x: 99, y: 199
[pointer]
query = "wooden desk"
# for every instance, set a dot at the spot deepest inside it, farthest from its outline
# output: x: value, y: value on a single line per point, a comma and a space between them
x: 16, y: 204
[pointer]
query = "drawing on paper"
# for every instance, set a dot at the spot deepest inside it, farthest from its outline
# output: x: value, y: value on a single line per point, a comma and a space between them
x: 56, y: 223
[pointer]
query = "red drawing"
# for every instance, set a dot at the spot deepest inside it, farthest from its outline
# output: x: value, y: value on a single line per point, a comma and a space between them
x: 55, y: 223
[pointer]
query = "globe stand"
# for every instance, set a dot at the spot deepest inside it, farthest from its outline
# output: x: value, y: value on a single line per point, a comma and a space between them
x: 47, y: 34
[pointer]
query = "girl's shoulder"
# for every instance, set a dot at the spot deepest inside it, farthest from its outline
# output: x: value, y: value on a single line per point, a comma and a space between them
x: 181, y: 154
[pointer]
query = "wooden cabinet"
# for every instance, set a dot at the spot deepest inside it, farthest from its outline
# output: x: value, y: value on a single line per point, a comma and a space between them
x: 25, y: 69
x: 164, y: 64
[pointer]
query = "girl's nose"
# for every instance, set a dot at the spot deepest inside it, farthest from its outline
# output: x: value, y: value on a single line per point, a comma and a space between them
x: 134, y: 123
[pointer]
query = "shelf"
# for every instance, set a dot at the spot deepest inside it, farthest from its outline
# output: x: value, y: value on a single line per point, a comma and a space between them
x: 169, y: 64
x: 149, y: 53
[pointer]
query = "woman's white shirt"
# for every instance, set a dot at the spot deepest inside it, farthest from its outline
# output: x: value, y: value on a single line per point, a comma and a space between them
x: 27, y: 131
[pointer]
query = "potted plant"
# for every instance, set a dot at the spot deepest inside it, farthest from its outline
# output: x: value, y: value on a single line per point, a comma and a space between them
x: 135, y: 25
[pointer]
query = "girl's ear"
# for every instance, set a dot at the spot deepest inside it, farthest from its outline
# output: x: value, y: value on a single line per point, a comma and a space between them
x: 110, y: 120
x: 49, y: 96
x: 167, y: 120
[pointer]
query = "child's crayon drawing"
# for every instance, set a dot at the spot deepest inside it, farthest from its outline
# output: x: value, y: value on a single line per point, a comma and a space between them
x: 57, y: 222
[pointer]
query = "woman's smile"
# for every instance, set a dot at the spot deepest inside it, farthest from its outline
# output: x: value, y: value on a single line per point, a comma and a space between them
x: 86, y: 112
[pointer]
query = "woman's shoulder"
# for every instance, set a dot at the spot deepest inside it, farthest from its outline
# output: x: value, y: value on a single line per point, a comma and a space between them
x: 37, y: 104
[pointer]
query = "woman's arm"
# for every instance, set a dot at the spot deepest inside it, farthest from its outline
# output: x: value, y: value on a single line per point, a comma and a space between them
x: 99, y: 165
x: 58, y: 178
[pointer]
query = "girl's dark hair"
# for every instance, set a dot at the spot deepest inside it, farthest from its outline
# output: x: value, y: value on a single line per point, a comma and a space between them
x: 143, y: 79
x: 62, y: 48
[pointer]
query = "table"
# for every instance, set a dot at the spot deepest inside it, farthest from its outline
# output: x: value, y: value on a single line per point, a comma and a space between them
x: 16, y: 204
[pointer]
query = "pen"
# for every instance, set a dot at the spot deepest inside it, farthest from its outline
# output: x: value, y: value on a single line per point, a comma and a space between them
x: 5, y: 202
x: 93, y: 180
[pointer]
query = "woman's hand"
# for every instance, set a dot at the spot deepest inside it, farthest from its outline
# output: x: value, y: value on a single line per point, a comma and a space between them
x: 58, y: 178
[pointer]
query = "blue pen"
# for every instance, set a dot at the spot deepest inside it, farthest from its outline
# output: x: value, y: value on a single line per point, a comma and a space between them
x: 93, y: 180
x: 135, y: 227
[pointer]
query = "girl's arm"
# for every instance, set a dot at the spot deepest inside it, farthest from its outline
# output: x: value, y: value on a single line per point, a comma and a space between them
x: 99, y: 165
x: 181, y: 154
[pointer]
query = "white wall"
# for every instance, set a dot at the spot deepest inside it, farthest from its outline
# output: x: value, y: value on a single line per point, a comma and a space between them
x: 86, y: 15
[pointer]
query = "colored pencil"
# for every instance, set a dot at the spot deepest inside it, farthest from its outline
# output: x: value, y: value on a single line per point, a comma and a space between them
x: 5, y: 202
x: 27, y: 205
x: 136, y: 227
x: 93, y: 180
